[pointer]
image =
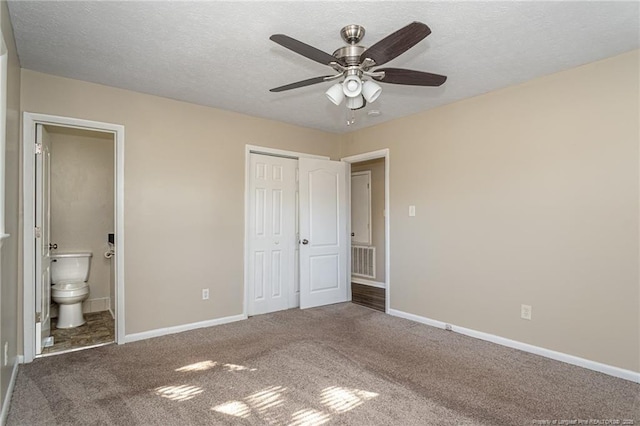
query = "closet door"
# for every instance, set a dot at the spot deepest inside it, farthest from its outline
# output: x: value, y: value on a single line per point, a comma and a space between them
x: 272, y: 238
x: 323, y: 232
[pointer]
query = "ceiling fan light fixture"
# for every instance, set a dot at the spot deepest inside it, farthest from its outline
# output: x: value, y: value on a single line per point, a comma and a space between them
x: 335, y: 94
x: 356, y: 102
x: 371, y: 90
x: 352, y: 86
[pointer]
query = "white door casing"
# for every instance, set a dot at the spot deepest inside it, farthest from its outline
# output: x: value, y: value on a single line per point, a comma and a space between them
x: 373, y: 155
x: 30, y: 334
x: 361, y: 208
x: 272, y: 234
x: 323, y: 232
x: 42, y: 254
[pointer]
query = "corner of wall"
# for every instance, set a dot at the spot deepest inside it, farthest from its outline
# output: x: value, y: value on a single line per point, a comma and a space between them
x: 343, y: 141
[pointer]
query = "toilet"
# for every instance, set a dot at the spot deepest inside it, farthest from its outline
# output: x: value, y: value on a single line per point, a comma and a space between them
x: 69, y: 275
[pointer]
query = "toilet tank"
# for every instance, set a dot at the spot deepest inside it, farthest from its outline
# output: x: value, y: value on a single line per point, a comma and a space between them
x: 70, y: 267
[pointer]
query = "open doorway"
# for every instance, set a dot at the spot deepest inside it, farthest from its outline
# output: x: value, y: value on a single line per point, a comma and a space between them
x: 73, y: 234
x: 81, y: 182
x: 369, y: 214
x: 368, y: 287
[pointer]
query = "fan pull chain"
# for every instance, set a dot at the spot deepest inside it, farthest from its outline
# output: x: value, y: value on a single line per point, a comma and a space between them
x: 352, y: 119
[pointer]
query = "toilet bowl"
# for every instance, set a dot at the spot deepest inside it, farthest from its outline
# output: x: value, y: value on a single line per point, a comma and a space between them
x: 69, y: 273
x: 69, y: 297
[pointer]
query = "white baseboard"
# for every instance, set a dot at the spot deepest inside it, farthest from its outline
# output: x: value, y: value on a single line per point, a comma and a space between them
x: 7, y: 398
x: 99, y: 304
x: 368, y: 282
x: 180, y: 328
x: 547, y: 353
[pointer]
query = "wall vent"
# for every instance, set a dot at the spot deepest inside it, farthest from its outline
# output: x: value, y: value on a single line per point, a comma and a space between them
x: 363, y: 261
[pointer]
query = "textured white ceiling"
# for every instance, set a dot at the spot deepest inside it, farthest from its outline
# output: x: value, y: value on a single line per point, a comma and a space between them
x: 219, y: 53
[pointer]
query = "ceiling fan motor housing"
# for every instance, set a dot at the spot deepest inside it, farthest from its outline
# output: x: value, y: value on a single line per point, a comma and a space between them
x: 350, y: 55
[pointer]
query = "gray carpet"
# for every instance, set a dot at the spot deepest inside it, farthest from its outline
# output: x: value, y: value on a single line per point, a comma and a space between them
x: 341, y: 364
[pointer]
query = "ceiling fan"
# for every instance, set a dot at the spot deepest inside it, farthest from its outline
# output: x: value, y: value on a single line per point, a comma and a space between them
x: 353, y: 64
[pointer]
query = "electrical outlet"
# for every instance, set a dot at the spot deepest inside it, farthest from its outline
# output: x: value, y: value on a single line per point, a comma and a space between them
x: 205, y: 294
x: 525, y: 312
x: 5, y: 360
x: 448, y: 327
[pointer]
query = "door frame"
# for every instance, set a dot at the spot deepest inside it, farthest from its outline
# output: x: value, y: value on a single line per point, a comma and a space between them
x: 374, y: 155
x: 28, y: 178
x: 255, y: 149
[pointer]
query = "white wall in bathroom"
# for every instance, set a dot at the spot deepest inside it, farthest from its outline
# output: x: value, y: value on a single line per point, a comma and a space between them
x: 82, y: 203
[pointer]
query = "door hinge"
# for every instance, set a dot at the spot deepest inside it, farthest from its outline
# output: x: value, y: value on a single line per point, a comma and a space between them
x: 38, y: 316
x: 37, y: 232
x: 38, y: 148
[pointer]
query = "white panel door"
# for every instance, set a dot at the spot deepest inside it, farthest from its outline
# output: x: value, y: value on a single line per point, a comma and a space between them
x: 361, y: 208
x: 43, y: 219
x: 272, y: 234
x: 323, y: 232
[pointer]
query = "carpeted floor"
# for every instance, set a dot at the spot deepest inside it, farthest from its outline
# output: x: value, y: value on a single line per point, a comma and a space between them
x: 340, y: 364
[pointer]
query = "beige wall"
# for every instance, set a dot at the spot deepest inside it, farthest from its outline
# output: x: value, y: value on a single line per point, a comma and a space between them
x: 524, y: 195
x: 527, y: 195
x: 377, y: 210
x: 10, y: 269
x: 82, y: 203
x: 184, y: 193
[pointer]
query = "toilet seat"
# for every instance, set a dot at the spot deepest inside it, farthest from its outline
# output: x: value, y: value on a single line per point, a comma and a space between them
x: 69, y: 289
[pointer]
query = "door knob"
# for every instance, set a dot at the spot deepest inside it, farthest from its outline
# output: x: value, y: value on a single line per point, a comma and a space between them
x: 305, y: 241
x: 53, y: 246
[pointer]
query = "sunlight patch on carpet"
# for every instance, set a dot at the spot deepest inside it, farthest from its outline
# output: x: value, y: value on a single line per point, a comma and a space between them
x: 266, y: 398
x: 178, y: 393
x: 309, y: 417
x: 260, y: 403
x: 198, y: 366
x: 234, y: 408
x: 341, y: 399
x: 234, y: 367
x: 336, y: 399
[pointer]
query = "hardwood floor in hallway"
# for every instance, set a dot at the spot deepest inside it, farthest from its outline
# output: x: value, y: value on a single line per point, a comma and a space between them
x: 366, y: 295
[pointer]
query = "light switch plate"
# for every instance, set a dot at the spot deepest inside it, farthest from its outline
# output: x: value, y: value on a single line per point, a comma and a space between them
x: 412, y: 211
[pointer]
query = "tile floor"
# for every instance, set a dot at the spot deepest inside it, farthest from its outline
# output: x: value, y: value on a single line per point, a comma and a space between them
x: 98, y: 329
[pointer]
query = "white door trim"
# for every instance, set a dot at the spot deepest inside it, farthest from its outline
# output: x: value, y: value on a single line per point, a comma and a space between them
x: 382, y: 153
x: 4, y: 60
x: 28, y: 142
x: 248, y: 150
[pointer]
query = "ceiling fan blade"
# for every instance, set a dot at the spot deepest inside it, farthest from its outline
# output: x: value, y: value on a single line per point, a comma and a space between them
x: 303, y: 49
x: 302, y: 83
x: 397, y: 43
x: 410, y: 77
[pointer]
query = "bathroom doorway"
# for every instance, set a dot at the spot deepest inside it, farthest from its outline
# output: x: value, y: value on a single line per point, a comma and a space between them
x: 73, y: 277
x: 82, y: 219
